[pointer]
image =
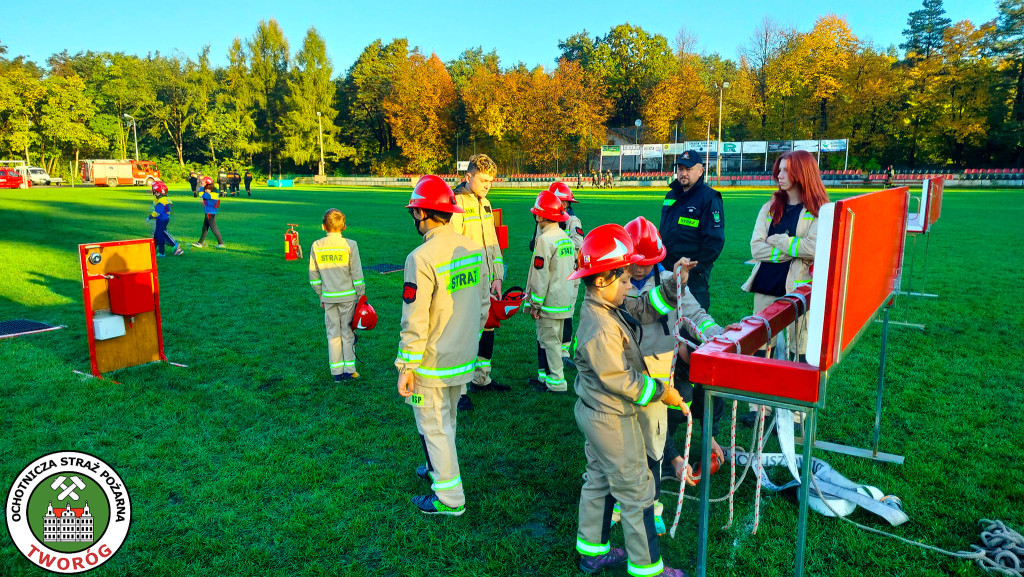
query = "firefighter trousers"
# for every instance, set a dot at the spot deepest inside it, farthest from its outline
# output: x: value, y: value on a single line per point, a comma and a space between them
x: 617, y: 470
x: 435, y: 409
x: 485, y: 350
x: 549, y: 353
x: 341, y: 341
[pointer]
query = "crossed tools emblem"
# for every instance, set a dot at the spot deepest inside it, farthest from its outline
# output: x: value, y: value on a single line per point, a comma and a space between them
x: 67, y: 490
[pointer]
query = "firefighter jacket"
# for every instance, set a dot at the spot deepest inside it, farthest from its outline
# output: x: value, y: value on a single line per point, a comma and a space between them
x: 222, y: 177
x: 658, y: 342
x: 693, y: 225
x: 334, y: 269
x: 612, y: 377
x: 574, y: 228
x: 445, y: 301
x: 477, y: 224
x: 548, y: 284
x: 161, y: 209
x: 799, y: 249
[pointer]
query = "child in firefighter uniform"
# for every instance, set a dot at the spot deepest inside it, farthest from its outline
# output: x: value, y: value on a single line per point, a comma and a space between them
x: 445, y: 302
x: 614, y: 388
x: 336, y: 275
x: 161, y: 217
x: 476, y: 222
x: 658, y: 342
x: 574, y: 228
x: 551, y: 294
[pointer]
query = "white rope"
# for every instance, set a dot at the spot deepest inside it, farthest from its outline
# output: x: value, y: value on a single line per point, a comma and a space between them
x: 732, y: 464
x: 671, y: 376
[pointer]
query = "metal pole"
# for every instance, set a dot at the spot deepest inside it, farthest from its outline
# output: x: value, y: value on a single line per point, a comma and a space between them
x: 718, y: 155
x: 704, y: 516
x: 675, y: 146
x: 881, y: 383
x: 846, y: 164
x: 805, y: 490
x: 320, y: 125
x: 135, y: 134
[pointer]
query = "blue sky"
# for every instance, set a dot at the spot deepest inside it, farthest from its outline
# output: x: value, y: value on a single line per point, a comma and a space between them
x: 526, y: 31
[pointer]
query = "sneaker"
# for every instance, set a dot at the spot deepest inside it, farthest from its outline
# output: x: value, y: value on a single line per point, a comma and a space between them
x: 465, y: 404
x: 567, y: 362
x: 423, y: 473
x: 339, y: 378
x: 198, y: 244
x: 221, y: 245
x: 492, y: 386
x: 353, y: 375
x: 178, y: 251
x: 543, y: 388
x: 160, y: 255
x: 670, y: 572
x: 534, y: 382
x: 591, y: 564
x: 431, y: 505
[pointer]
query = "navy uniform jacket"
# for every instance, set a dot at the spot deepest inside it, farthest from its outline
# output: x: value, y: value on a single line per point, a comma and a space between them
x: 693, y: 224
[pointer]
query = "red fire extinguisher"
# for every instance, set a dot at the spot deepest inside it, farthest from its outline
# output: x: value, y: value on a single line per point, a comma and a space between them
x: 292, y: 249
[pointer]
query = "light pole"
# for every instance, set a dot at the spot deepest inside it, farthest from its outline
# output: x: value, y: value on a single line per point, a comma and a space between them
x: 636, y: 141
x: 718, y: 163
x: 134, y: 134
x: 320, y: 136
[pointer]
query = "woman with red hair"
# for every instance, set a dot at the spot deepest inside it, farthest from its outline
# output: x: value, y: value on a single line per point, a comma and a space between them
x: 783, y: 241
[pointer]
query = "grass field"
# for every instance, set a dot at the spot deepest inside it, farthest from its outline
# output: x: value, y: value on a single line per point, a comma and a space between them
x: 251, y: 462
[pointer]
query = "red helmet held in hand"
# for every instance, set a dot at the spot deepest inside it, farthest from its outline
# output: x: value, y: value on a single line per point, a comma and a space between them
x: 433, y: 193
x: 365, y: 317
x: 548, y: 206
x: 562, y: 191
x: 607, y: 247
x: 503, y: 308
x: 646, y: 241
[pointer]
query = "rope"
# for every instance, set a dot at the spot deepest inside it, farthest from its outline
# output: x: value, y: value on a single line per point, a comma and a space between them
x: 760, y: 470
x: 732, y: 464
x: 682, y: 485
x: 672, y: 374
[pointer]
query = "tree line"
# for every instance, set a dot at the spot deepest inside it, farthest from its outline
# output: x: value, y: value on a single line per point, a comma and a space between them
x: 951, y: 95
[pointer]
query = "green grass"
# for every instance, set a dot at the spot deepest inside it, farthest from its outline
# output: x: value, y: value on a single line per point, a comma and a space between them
x: 250, y: 462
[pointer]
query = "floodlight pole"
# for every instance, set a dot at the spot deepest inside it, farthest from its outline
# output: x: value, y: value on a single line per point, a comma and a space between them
x: 718, y: 162
x: 135, y: 134
x: 27, y: 129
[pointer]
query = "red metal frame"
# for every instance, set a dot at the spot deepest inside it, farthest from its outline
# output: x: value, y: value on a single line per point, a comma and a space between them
x: 83, y: 254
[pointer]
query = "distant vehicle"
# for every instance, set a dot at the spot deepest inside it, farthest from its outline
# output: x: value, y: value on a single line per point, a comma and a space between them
x: 119, y: 172
x: 37, y: 175
x: 11, y: 178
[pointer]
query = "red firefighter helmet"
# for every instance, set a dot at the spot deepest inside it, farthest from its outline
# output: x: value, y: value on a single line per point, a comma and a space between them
x: 646, y: 241
x: 562, y: 191
x: 159, y: 187
x: 548, y: 206
x: 607, y: 247
x: 433, y: 193
x: 206, y: 180
x: 503, y: 308
x: 365, y: 317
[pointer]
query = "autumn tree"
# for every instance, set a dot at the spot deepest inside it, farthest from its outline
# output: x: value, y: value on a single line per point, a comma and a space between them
x: 361, y: 97
x: 419, y: 112
x: 925, y: 29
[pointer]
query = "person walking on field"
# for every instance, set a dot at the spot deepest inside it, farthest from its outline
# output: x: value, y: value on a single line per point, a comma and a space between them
x: 211, y: 204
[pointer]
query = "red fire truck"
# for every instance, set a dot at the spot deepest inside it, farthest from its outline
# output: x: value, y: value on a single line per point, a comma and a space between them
x: 119, y: 172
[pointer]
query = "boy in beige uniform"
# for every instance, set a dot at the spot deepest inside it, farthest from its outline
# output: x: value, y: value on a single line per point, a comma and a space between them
x: 550, y: 293
x: 445, y: 302
x: 574, y: 229
x: 614, y: 388
x: 337, y: 277
x: 476, y: 222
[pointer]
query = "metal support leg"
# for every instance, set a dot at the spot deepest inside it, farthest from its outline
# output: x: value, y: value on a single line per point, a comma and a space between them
x: 705, y: 488
x: 810, y: 424
x: 881, y: 384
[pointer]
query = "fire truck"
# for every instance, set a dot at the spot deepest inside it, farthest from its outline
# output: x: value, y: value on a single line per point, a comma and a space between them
x: 119, y: 172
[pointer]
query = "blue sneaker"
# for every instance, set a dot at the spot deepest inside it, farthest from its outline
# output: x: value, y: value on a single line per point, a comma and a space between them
x: 659, y: 525
x: 160, y: 255
x: 431, y: 505
x: 591, y: 564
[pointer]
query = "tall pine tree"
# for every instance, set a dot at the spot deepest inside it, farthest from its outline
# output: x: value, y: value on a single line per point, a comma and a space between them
x: 925, y: 28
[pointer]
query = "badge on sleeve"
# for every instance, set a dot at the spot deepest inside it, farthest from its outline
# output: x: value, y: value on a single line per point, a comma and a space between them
x: 409, y: 292
x: 717, y: 216
x: 538, y: 262
x: 579, y: 231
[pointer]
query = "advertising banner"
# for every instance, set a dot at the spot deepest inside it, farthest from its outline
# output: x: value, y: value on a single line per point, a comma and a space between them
x: 652, y: 150
x: 630, y: 150
x: 833, y: 145
x: 780, y: 146
x: 808, y: 145
x: 702, y: 146
x: 731, y: 147
x: 674, y: 148
x: 755, y: 147
x: 610, y: 151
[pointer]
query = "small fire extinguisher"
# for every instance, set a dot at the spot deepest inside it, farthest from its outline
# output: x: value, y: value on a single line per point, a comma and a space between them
x: 292, y: 249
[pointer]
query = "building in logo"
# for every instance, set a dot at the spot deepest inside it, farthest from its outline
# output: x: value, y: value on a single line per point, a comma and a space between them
x: 70, y: 524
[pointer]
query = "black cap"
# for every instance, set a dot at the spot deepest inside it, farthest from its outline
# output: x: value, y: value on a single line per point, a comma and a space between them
x: 689, y: 158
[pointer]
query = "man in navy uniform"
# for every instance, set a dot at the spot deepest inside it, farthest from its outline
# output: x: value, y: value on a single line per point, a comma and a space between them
x: 693, y: 223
